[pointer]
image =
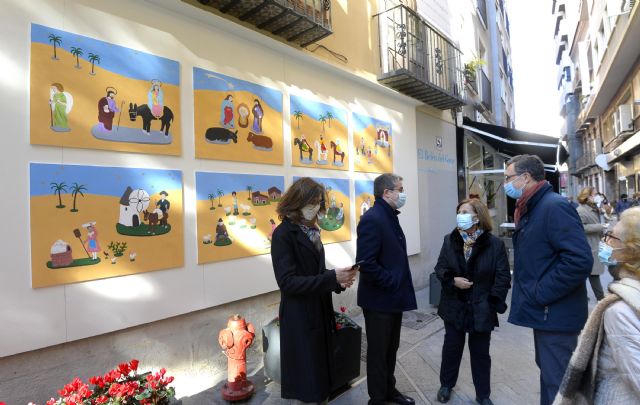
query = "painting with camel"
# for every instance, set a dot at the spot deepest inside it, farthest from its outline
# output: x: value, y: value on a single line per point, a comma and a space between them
x: 319, y: 134
x: 87, y: 93
x: 92, y: 222
x: 236, y: 120
x: 372, y: 144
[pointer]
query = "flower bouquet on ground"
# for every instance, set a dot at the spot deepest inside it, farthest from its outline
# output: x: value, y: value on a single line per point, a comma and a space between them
x: 122, y: 385
x: 343, y: 321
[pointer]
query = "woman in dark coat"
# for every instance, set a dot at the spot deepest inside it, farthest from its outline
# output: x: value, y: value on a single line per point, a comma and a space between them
x: 307, y: 323
x: 473, y: 269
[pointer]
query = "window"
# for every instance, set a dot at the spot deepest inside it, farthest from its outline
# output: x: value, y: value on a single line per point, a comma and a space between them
x: 567, y: 73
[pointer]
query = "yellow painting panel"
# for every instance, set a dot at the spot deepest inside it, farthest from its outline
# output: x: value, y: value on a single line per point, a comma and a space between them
x: 334, y: 154
x: 344, y: 232
x: 373, y: 150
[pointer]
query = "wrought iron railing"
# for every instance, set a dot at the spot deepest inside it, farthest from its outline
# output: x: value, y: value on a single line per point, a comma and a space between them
x: 408, y: 45
x: 585, y: 161
x: 486, y: 91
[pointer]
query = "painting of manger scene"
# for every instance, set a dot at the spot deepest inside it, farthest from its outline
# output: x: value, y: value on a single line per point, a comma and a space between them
x: 87, y: 93
x: 319, y: 135
x: 364, y: 197
x: 372, y: 145
x: 236, y: 214
x: 335, y: 224
x: 236, y: 120
x: 93, y: 222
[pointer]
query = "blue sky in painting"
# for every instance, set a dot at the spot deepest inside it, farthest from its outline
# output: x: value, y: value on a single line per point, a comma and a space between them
x: 364, y: 186
x: 209, y: 183
x: 314, y: 109
x: 336, y: 184
x: 102, y: 180
x: 208, y: 80
x: 361, y: 122
x: 114, y: 58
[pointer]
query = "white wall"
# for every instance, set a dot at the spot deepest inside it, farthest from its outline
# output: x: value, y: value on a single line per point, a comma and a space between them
x: 36, y: 318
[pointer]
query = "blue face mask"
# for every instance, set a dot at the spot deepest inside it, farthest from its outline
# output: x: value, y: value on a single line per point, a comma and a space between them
x: 511, y: 191
x: 604, y: 254
x: 465, y: 221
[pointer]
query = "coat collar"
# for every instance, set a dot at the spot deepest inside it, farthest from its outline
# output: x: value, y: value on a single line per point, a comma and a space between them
x: 538, y: 196
x: 386, y: 206
x: 302, y: 238
x: 481, y: 243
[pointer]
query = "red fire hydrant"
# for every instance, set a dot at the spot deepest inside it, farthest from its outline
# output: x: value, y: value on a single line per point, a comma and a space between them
x: 235, y: 340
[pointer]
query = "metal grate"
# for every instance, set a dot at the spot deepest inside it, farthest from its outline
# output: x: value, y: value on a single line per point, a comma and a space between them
x: 417, y: 320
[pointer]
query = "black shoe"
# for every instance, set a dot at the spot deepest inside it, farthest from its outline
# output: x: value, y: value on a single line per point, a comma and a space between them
x: 397, y: 398
x: 444, y: 394
x: 485, y: 401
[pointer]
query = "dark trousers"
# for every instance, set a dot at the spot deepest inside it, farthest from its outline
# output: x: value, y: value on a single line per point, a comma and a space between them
x: 383, y: 340
x: 596, y: 286
x: 480, y: 359
x: 553, y: 352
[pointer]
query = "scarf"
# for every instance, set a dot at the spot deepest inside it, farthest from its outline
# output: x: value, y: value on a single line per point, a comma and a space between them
x: 469, y: 241
x: 313, y: 234
x: 578, y: 384
x: 521, y: 205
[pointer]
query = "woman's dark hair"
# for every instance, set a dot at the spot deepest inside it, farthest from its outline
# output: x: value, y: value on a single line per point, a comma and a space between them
x: 484, y: 218
x: 301, y: 193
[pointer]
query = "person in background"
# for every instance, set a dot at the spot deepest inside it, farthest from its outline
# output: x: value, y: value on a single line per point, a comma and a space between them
x: 593, y: 228
x: 552, y: 261
x: 473, y: 268
x: 605, y: 367
x: 623, y: 204
x: 385, y: 289
x: 307, y: 321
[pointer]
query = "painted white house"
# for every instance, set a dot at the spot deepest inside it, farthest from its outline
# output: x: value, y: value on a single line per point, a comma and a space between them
x: 132, y: 204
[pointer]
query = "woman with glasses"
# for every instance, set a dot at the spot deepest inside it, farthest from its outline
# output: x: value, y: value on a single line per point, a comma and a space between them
x: 605, y: 367
x: 593, y: 228
x: 473, y: 269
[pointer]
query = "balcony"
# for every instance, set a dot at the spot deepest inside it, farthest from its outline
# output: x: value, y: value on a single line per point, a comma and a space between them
x: 416, y: 60
x: 486, y: 91
x: 585, y: 161
x: 301, y: 22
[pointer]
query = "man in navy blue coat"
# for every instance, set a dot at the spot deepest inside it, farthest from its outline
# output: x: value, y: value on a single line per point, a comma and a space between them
x: 385, y: 288
x: 551, y: 263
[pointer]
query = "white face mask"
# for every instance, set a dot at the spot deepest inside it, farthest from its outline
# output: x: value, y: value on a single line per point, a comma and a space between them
x: 401, y: 201
x: 310, y: 211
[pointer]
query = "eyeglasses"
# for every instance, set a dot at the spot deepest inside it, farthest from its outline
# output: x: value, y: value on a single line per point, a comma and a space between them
x: 609, y: 236
x: 507, y: 178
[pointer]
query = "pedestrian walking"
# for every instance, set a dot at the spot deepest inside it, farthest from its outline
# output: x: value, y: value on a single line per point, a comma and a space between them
x: 552, y: 261
x: 593, y: 228
x: 385, y: 288
x: 307, y: 321
x: 473, y: 269
x: 605, y: 368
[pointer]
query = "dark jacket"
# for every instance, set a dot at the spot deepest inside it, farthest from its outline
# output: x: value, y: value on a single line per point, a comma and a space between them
x: 385, y: 283
x: 307, y: 322
x: 487, y: 268
x: 552, y: 262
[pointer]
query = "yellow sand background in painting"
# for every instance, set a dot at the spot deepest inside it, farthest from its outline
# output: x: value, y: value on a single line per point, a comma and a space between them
x: 87, y: 90
x: 380, y: 163
x: 207, y: 107
x: 360, y: 198
x: 311, y: 129
x: 344, y: 233
x: 49, y: 224
x: 246, y: 241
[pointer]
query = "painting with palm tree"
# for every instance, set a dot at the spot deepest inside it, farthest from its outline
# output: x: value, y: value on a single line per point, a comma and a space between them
x: 102, y: 95
x: 244, y: 225
x: 319, y: 135
x: 92, y: 222
x: 246, y: 123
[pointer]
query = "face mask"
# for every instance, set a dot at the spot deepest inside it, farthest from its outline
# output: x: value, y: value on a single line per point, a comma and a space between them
x: 604, y: 254
x: 402, y: 200
x: 310, y: 211
x: 465, y: 221
x: 513, y: 192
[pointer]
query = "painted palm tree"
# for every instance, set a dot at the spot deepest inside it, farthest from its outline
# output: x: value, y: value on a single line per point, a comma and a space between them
x: 329, y: 117
x: 322, y: 118
x: 249, y: 190
x: 75, y: 190
x: 211, y: 197
x: 77, y: 52
x: 58, y: 188
x: 56, y: 40
x: 220, y: 195
x: 93, y: 58
x: 298, y: 116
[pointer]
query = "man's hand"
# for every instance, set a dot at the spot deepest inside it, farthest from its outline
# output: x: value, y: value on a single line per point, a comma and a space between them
x: 462, y: 283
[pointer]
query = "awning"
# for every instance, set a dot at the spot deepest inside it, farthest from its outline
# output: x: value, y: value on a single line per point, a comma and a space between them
x: 511, y: 142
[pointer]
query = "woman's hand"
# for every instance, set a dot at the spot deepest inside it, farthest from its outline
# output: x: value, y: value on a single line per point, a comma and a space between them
x: 462, y: 283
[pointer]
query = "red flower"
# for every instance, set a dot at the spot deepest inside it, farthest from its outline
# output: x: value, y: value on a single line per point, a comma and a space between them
x: 343, y: 309
x: 338, y: 326
x: 102, y: 399
x: 49, y: 402
x: 124, y: 368
x: 134, y: 364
